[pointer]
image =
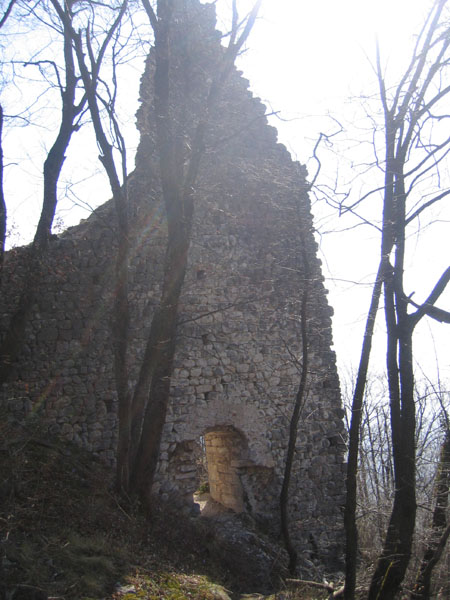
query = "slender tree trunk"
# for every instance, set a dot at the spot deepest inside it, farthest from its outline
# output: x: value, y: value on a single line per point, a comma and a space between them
x: 148, y: 411
x: 293, y: 425
x: 36, y: 255
x: 52, y: 170
x: 351, y: 531
x: 56, y: 156
x: 120, y: 331
x: 2, y: 199
x: 375, y: 459
x: 406, y: 107
x: 440, y: 528
x: 121, y: 318
x: 393, y: 562
x: 179, y: 159
x: 351, y: 546
x: 161, y: 348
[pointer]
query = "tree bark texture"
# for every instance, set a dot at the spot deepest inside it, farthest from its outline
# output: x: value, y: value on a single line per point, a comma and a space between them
x: 293, y: 425
x: 393, y: 562
x: 439, y: 527
x: 351, y: 531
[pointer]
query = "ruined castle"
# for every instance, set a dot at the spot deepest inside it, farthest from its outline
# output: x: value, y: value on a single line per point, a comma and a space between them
x: 238, y: 359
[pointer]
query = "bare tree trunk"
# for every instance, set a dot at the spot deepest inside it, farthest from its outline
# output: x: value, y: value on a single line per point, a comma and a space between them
x: 148, y: 411
x: 35, y: 257
x: 179, y: 169
x: 56, y: 156
x: 440, y: 528
x: 120, y: 330
x: 293, y: 425
x: 2, y: 198
x: 404, y: 106
x: 151, y: 395
x: 384, y: 268
x: 393, y: 562
x: 161, y: 348
x: 121, y: 318
x: 351, y: 531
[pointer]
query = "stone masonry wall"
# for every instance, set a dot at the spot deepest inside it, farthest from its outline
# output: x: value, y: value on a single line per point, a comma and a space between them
x: 237, y: 366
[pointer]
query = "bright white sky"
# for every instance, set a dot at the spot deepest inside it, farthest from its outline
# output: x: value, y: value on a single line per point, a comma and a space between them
x: 311, y: 59
x: 306, y: 60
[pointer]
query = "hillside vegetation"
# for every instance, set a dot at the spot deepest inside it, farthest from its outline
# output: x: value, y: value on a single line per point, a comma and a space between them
x: 65, y: 534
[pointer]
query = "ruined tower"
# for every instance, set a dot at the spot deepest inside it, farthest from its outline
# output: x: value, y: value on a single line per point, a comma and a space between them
x: 238, y: 360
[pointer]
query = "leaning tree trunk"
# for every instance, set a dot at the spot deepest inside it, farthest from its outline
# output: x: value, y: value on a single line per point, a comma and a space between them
x: 351, y: 531
x: 293, y: 425
x: 159, y: 358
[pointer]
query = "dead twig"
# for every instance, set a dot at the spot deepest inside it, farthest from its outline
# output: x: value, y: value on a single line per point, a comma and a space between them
x: 328, y: 587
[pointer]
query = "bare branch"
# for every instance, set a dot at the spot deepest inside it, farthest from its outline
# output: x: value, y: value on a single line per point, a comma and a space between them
x: 234, y: 23
x: 428, y: 308
x: 316, y: 146
x: 417, y: 212
x: 438, y: 314
x: 151, y: 14
x: 234, y: 47
x: 39, y: 63
x: 7, y: 13
x: 406, y: 104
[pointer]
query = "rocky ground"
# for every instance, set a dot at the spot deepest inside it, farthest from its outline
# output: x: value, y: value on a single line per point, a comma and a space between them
x: 65, y: 534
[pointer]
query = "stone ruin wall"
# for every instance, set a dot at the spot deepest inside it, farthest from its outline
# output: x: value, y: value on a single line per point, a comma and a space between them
x: 237, y: 363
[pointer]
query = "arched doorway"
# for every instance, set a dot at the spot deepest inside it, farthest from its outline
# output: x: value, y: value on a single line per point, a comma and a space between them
x: 226, y: 452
